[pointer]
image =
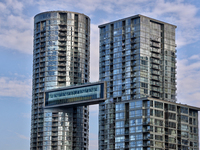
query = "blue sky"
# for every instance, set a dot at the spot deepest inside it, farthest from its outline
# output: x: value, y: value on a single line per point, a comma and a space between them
x: 16, y: 46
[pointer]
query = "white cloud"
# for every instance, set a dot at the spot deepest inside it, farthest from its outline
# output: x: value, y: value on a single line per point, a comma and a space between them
x: 22, y: 136
x: 15, y: 5
x: 188, y: 82
x: 195, y: 57
x: 181, y: 14
x: 15, y: 88
x: 93, y: 137
x: 15, y: 27
x: 14, y: 39
x: 26, y: 115
x: 17, y: 22
x: 93, y: 142
x: 2, y: 7
x: 178, y: 12
x: 94, y: 53
x: 94, y: 110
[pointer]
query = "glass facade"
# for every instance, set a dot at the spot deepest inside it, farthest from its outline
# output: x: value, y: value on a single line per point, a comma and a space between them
x: 137, y: 59
x: 150, y: 124
x: 61, y: 57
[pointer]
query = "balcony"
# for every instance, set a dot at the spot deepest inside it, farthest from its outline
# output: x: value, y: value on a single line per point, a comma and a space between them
x: 61, y: 74
x: 61, y: 54
x: 43, y: 34
x: 156, y: 89
x: 133, y: 42
x: 133, y: 36
x: 43, y: 30
x: 42, y: 70
x: 154, y: 94
x: 156, y: 56
x: 61, y: 44
x: 61, y: 79
x: 156, y: 45
x: 103, y: 43
x: 54, y: 139
x: 155, y: 50
x: 76, y: 65
x: 61, y: 64
x: 155, y: 83
x: 63, y: 23
x: 155, y: 39
x: 134, y: 47
x: 61, y: 69
x: 62, y: 59
x: 155, y: 78
x: 62, y: 29
x: 155, y: 61
x: 62, y: 39
x: 155, y: 72
x: 134, y: 57
x: 155, y: 67
x: 61, y: 49
x: 62, y: 34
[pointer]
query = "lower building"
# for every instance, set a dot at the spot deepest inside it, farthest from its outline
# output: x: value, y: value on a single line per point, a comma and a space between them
x: 151, y: 124
x: 139, y: 124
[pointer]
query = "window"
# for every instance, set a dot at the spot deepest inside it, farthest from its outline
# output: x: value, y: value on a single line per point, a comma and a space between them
x: 132, y: 105
x: 139, y: 136
x: 184, y: 127
x: 184, y: 110
x: 184, y: 134
x: 158, y: 144
x: 138, y: 113
x: 139, y: 143
x: 144, y: 85
x: 132, y: 144
x: 158, y: 105
x: 132, y: 122
x: 119, y: 115
x: 138, y: 129
x: 195, y: 130
x: 159, y: 137
x: 158, y: 122
x: 138, y: 121
x: 194, y: 122
x: 132, y: 137
x: 158, y: 129
x: 184, y: 118
x: 170, y: 116
x: 170, y: 124
x: 151, y: 112
x: 151, y: 103
x: 158, y: 113
x: 119, y: 139
x: 132, y: 129
x: 119, y: 107
x: 171, y: 107
x: 143, y: 62
x: 119, y: 124
x: 132, y: 114
x: 119, y: 131
x: 119, y: 145
x: 138, y: 104
x: 145, y: 91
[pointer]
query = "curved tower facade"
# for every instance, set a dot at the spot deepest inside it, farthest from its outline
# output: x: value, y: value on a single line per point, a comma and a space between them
x: 61, y: 57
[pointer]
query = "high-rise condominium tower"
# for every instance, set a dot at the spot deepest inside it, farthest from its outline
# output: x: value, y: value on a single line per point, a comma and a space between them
x: 61, y: 57
x: 137, y: 59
